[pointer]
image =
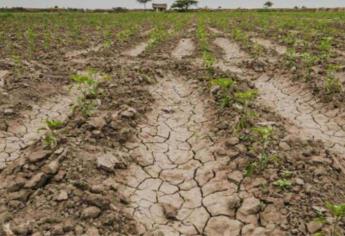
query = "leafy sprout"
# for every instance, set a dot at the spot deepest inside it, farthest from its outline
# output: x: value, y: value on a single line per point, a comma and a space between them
x: 224, y: 83
x: 338, y: 212
x: 246, y: 97
x: 265, y: 132
x: 283, y: 184
x: 54, y: 124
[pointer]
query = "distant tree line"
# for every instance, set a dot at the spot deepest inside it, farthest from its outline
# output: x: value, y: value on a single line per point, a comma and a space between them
x: 120, y: 9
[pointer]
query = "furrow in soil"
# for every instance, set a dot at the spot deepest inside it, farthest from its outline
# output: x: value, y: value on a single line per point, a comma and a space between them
x: 177, y: 186
x: 184, y: 48
x: 310, y: 118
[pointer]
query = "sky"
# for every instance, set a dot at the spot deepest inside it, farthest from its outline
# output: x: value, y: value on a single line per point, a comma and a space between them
x: 92, y: 4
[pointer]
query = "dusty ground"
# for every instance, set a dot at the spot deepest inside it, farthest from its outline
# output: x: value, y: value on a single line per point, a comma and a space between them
x: 160, y: 155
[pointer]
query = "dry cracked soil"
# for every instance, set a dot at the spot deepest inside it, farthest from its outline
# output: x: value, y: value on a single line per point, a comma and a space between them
x: 159, y: 156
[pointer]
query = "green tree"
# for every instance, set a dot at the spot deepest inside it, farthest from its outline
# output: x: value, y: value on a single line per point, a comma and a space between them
x: 183, y: 4
x: 144, y: 2
x: 268, y: 4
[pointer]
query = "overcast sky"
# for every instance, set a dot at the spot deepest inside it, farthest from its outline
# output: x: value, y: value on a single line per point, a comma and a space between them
x: 134, y: 4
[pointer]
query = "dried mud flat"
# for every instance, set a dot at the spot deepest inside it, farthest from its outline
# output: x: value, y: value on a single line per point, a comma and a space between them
x: 159, y: 156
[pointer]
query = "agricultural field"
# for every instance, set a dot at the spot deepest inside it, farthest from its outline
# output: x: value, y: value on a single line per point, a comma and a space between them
x: 200, y: 123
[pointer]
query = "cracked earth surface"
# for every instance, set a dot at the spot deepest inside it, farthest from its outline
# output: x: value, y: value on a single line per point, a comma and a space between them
x: 178, y: 186
x: 26, y: 131
x: 309, y: 117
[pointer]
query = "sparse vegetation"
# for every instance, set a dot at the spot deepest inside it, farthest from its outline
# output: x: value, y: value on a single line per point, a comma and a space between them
x: 234, y: 123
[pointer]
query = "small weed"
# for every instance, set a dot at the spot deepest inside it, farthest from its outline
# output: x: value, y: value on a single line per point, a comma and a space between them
x: 246, y: 120
x: 325, y: 47
x: 225, y: 101
x: 287, y: 174
x: 308, y: 61
x: 338, y: 212
x: 283, y: 184
x: 291, y: 58
x: 50, y: 140
x: 264, y: 132
x: 83, y: 79
x: 208, y: 61
x: 246, y: 97
x: 224, y: 83
x: 87, y: 84
x: 54, y: 124
x: 333, y: 85
x: 259, y: 165
x: 86, y: 107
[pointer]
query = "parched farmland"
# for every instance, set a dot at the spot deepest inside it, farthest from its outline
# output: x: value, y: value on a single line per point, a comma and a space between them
x: 200, y: 123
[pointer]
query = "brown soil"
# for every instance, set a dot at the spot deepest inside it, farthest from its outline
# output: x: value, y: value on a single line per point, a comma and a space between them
x: 160, y: 153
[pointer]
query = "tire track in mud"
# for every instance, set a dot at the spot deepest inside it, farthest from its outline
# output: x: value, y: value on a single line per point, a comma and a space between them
x: 309, y: 117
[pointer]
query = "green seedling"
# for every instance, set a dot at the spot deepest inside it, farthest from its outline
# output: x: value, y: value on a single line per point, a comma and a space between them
x: 326, y: 46
x: 225, y: 101
x: 88, y: 85
x: 54, y: 124
x: 260, y: 165
x: 264, y: 132
x: 283, y: 184
x: 124, y: 35
x: 333, y: 85
x: 246, y: 97
x: 224, y: 83
x: 287, y: 174
x: 291, y: 58
x: 338, y: 212
x: 308, y: 61
x: 50, y: 140
x: 86, y: 107
x: 208, y: 61
x: 83, y: 79
x: 245, y: 120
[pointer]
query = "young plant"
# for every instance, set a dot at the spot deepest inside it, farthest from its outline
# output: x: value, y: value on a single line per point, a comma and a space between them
x: 338, y: 212
x: 264, y: 132
x: 283, y: 184
x: 308, y: 61
x: 224, y: 83
x: 261, y: 164
x: 245, y: 120
x: 325, y: 47
x: 54, y: 124
x: 290, y: 58
x: 225, y: 101
x: 87, y: 84
x: 332, y: 85
x: 50, y: 140
x: 246, y: 97
x: 85, y: 106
